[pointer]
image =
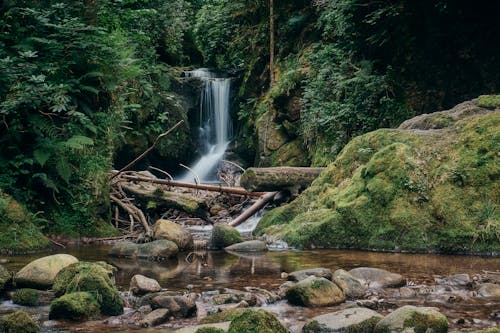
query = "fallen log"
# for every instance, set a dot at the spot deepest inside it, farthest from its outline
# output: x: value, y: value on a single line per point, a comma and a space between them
x: 253, y: 209
x: 278, y: 178
x: 152, y: 196
x: 205, y: 187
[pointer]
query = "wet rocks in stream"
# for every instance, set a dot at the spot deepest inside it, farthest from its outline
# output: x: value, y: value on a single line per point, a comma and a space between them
x: 140, y: 285
x: 169, y: 230
x: 223, y: 236
x: 353, y: 320
x: 315, y: 291
x: 40, y: 273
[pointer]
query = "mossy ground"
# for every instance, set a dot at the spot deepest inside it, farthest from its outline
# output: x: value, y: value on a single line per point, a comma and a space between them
x: 26, y: 297
x: 256, y: 321
x: 219, y: 317
x: 18, y: 322
x: 403, y: 190
x: 18, y: 230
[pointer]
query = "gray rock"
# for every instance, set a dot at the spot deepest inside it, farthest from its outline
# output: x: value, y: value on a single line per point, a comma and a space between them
x: 169, y: 230
x: 157, y: 250
x: 408, y: 318
x: 248, y: 246
x: 140, y: 285
x: 353, y: 320
x: 179, y: 306
x: 376, y: 277
x: 315, y: 292
x: 156, y: 317
x: 305, y: 273
x: 351, y: 287
x: 42, y: 272
x: 192, y: 329
x: 489, y: 290
x: 124, y: 249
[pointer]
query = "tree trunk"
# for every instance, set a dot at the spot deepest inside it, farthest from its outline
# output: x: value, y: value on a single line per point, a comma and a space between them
x: 271, y: 41
x: 279, y: 178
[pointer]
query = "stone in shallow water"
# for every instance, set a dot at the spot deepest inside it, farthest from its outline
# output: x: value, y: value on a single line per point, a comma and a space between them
x: 140, y: 285
x: 156, y: 317
x: 124, y: 249
x: 248, y: 246
x: 315, y: 292
x: 305, y: 273
x: 489, y: 290
x: 192, y: 329
x: 376, y: 277
x: 354, y: 320
x: 179, y: 306
x: 169, y: 230
x: 413, y: 319
x: 157, y: 250
x: 351, y: 287
x: 42, y: 272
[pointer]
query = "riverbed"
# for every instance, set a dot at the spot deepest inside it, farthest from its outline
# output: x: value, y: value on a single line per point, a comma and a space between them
x: 211, y: 270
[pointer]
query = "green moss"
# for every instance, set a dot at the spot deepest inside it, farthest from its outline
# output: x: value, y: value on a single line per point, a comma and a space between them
x: 209, y: 330
x: 75, y: 306
x: 403, y: 190
x: 489, y: 101
x: 18, y: 230
x: 422, y: 323
x: 26, y: 297
x: 18, y: 322
x: 256, y: 321
x: 219, y: 317
x: 68, y: 273
x: 5, y: 277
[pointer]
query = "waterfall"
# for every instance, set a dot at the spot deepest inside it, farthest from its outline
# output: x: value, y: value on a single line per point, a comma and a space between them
x: 215, y: 125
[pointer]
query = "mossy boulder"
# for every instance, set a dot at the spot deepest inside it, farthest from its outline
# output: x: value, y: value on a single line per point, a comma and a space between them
x: 210, y: 330
x: 5, y: 277
x: 219, y: 317
x: 351, y: 286
x: 26, y: 297
x: 18, y: 230
x: 75, y: 306
x: 424, y: 187
x: 169, y: 230
x: 95, y: 278
x: 157, y: 250
x: 353, y: 320
x: 314, y: 292
x: 418, y: 319
x: 256, y: 321
x: 224, y: 235
x: 42, y: 272
x: 18, y: 322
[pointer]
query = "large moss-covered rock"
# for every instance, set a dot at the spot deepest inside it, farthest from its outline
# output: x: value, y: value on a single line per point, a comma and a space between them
x: 18, y: 322
x: 256, y: 321
x: 42, y: 272
x: 5, y: 277
x: 224, y: 235
x: 430, y: 185
x: 315, y: 291
x: 94, y: 278
x: 354, y: 320
x: 18, y: 230
x: 416, y: 319
x: 27, y: 297
x: 75, y: 306
x: 169, y: 230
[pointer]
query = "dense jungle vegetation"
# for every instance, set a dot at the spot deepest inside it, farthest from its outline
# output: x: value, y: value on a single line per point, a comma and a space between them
x: 86, y: 85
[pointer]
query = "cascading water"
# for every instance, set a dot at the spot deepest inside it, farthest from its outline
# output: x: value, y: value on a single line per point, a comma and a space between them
x: 215, y: 125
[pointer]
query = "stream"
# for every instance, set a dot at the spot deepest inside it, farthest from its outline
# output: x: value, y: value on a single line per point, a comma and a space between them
x: 212, y: 270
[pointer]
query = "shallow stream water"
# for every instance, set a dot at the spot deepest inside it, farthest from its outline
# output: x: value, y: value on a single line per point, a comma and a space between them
x: 205, y: 271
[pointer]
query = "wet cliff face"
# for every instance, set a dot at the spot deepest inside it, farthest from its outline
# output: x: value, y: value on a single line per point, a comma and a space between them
x: 430, y: 185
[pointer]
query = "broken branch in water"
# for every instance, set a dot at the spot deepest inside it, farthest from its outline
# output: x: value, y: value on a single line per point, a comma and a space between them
x: 196, y: 178
x: 263, y: 200
x: 140, y: 157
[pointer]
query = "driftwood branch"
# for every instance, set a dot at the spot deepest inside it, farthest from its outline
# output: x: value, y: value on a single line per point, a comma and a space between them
x: 278, y: 178
x: 205, y: 187
x: 196, y: 178
x: 140, y: 157
x: 263, y: 200
x: 134, y: 211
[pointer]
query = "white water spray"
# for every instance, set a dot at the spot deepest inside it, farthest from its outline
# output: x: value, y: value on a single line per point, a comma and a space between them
x: 215, y: 122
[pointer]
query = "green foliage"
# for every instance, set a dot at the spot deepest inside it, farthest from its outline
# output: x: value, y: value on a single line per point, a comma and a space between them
x: 26, y: 297
x: 18, y: 322
x: 489, y: 101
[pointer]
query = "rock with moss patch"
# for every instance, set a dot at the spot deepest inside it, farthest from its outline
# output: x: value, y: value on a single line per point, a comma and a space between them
x: 194, y: 329
x: 42, y: 272
x: 489, y: 101
x: 5, y: 278
x: 18, y: 322
x: 429, y: 185
x: 416, y: 319
x: 75, y: 306
x: 248, y: 246
x: 351, y: 286
x: 353, y: 320
x: 223, y: 316
x: 376, y: 277
x: 224, y: 235
x: 67, y: 274
x: 157, y: 250
x: 210, y: 330
x: 169, y: 230
x: 314, y: 292
x: 26, y: 297
x: 124, y: 249
x: 256, y: 321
